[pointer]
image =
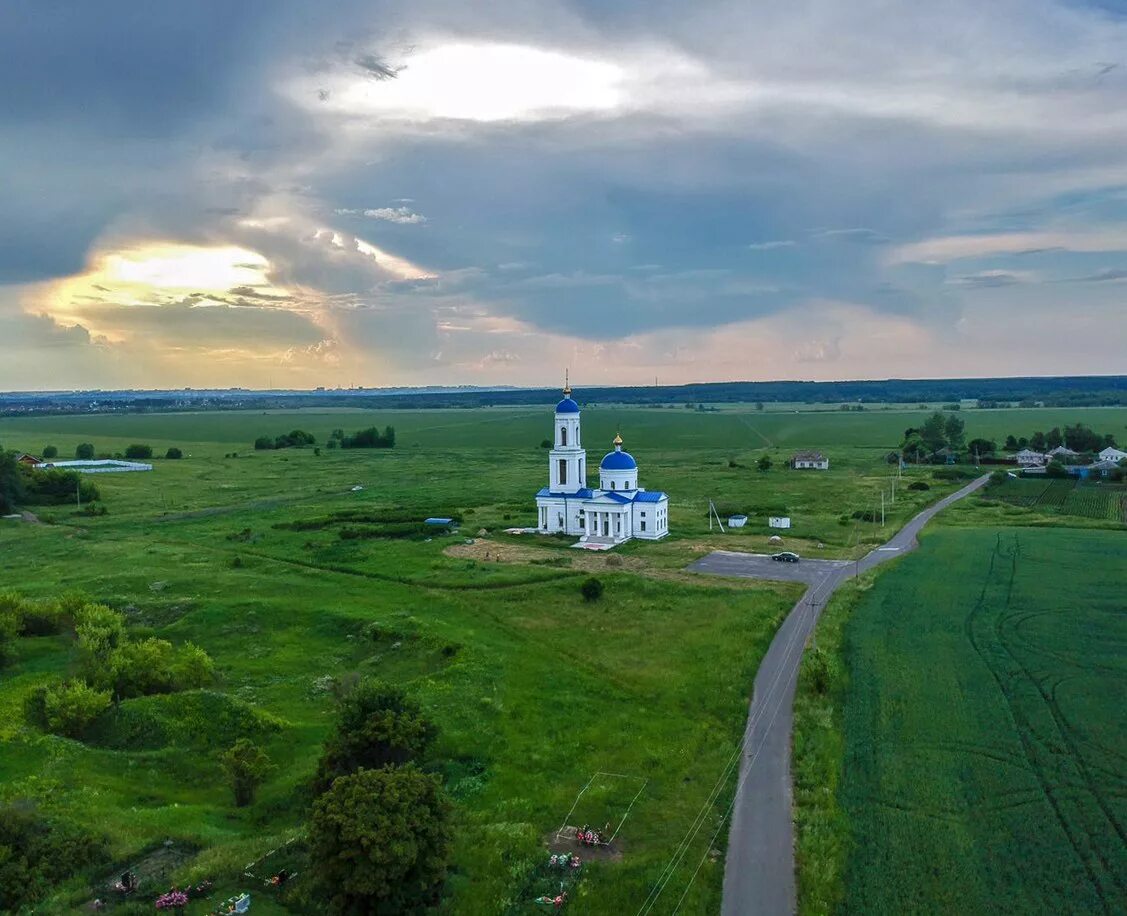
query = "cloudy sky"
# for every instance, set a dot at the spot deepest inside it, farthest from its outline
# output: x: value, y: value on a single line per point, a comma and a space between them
x: 380, y: 193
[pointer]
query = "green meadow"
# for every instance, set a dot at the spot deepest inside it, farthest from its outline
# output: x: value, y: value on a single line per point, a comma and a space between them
x: 289, y: 577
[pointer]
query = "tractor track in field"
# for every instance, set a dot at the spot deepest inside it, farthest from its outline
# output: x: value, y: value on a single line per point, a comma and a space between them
x: 1067, y: 735
x: 1027, y: 733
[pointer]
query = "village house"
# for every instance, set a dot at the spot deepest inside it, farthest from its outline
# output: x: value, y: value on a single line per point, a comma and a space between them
x: 1028, y: 458
x: 1111, y: 453
x: 1060, y: 452
x: 28, y: 459
x: 815, y: 461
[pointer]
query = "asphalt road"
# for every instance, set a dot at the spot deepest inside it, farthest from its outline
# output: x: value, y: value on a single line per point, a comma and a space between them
x: 759, y: 870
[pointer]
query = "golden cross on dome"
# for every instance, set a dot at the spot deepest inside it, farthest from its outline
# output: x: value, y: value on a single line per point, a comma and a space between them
x: 567, y: 385
x: 617, y: 439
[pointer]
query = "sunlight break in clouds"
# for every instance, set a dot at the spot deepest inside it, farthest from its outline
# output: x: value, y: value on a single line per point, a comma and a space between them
x: 477, y: 82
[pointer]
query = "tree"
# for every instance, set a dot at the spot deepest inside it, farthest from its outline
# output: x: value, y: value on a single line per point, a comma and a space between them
x: 764, y: 463
x: 1055, y: 469
x: 138, y: 452
x: 70, y: 706
x: 591, y: 589
x: 336, y: 434
x: 1037, y: 442
x: 1053, y: 438
x: 379, y: 841
x: 933, y: 433
x: 174, y: 452
x: 982, y: 447
x: 377, y: 725
x: 954, y: 428
x: 50, y: 451
x: 1080, y: 438
x: 1011, y: 444
x: 84, y: 451
x: 263, y: 442
x: 247, y: 766
x: 545, y: 443
x: 11, y: 482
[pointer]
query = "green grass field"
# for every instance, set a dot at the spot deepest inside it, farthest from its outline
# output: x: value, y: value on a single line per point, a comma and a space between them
x: 984, y: 738
x: 534, y: 690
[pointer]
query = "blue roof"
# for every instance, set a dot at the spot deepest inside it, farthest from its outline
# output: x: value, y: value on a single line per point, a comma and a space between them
x: 567, y: 405
x: 649, y: 496
x: 618, y: 461
x: 617, y: 497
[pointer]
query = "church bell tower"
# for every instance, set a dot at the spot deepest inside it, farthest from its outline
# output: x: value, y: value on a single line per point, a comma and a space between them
x: 567, y: 461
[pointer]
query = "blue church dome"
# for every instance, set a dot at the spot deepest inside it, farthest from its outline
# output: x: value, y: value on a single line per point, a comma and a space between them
x: 618, y: 461
x: 567, y: 405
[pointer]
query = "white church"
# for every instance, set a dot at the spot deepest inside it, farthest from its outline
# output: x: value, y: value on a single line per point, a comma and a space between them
x: 617, y: 511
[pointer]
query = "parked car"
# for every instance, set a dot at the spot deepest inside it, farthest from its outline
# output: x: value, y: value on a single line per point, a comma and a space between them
x: 786, y: 557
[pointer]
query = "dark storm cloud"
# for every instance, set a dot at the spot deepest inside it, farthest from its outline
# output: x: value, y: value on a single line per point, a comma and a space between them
x: 760, y: 159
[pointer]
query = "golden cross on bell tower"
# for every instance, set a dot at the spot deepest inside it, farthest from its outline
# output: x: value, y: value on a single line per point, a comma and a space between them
x: 567, y: 385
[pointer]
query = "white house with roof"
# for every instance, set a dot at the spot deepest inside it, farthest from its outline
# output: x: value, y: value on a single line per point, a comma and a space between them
x: 1028, y: 458
x: 1111, y: 453
x: 617, y: 511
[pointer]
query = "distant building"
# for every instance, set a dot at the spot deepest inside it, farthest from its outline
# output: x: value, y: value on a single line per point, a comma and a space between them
x: 1111, y: 453
x: 1061, y: 451
x: 812, y: 461
x: 1102, y: 468
x: 1028, y: 458
x: 27, y: 459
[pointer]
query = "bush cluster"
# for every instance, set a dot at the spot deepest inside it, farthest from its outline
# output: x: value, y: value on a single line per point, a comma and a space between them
x: 366, y: 438
x: 297, y: 438
x: 110, y: 664
x: 37, y: 852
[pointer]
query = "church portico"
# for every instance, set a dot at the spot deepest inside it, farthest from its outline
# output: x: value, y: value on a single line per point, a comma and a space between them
x: 618, y: 511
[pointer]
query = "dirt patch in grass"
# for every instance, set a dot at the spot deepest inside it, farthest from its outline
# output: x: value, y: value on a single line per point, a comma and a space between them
x: 485, y: 550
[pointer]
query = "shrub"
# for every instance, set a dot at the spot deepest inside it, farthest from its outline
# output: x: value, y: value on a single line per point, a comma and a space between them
x: 138, y: 452
x: 764, y: 463
x: 69, y: 707
x: 100, y: 630
x: 263, y: 442
x: 11, y: 622
x: 919, y: 485
x: 52, y: 486
x: 545, y: 443
x: 379, y: 840
x: 246, y: 765
x: 174, y: 453
x: 50, y: 451
x: 591, y: 589
x: 192, y: 668
x: 84, y: 451
x: 141, y: 667
x: 37, y: 852
x: 377, y: 725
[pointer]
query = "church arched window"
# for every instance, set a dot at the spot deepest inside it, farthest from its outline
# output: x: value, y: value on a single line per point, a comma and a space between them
x: 563, y: 435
